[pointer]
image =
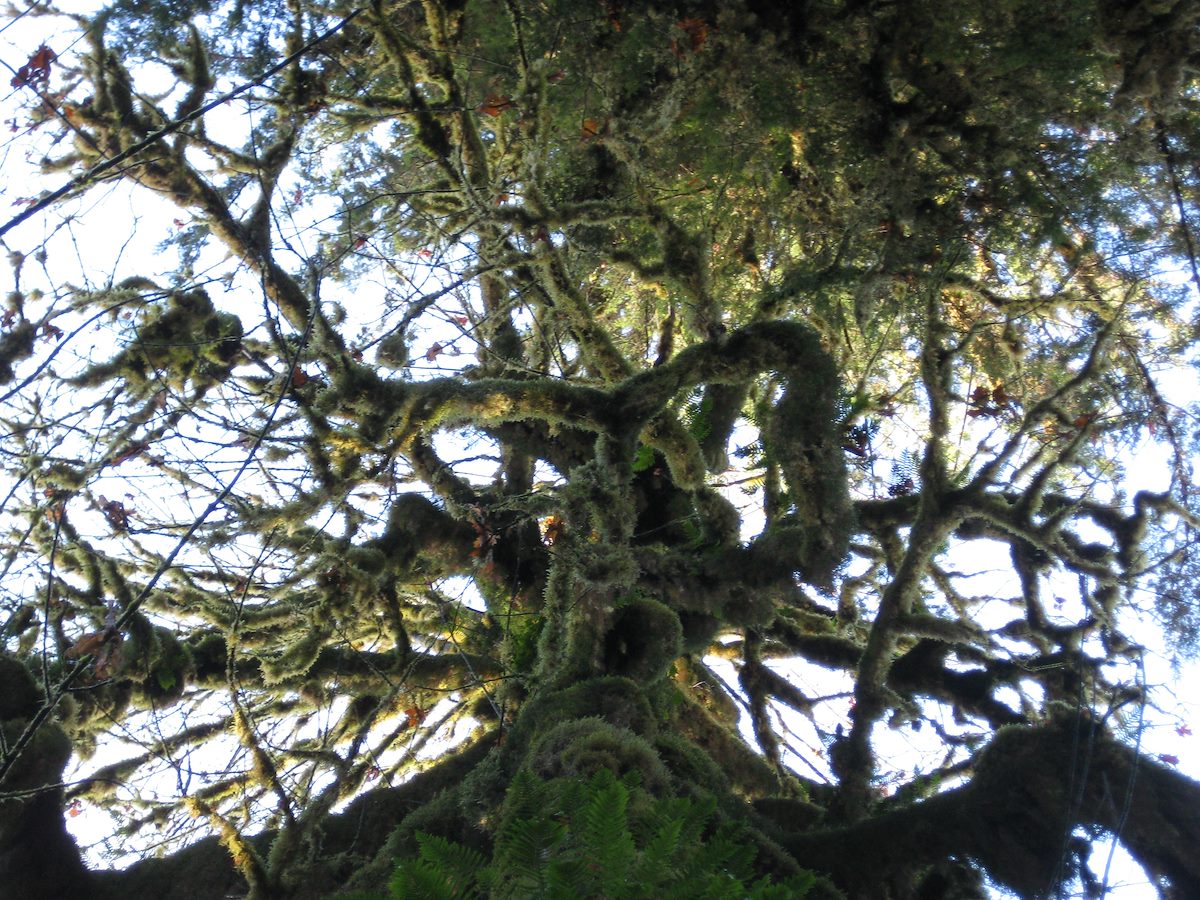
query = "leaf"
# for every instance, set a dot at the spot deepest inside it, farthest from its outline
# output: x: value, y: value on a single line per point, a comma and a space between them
x: 433, y: 352
x: 552, y: 528
x: 115, y: 513
x: 166, y: 679
x: 299, y: 377
x: 129, y: 453
x: 458, y: 866
x: 37, y: 70
x: 604, y: 827
x: 495, y: 105
x: 643, y: 459
x: 1183, y: 731
x: 1169, y: 758
x: 590, y: 129
x: 87, y: 645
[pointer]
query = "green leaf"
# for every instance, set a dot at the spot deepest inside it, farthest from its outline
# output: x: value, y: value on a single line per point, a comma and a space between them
x: 643, y: 459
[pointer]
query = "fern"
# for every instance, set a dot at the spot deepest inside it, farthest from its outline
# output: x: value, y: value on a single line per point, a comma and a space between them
x: 604, y: 832
x: 524, y: 851
x: 444, y: 870
x: 601, y: 837
x: 658, y: 854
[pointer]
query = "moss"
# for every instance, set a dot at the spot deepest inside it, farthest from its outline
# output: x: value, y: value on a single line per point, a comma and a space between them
x: 521, y: 643
x: 689, y: 765
x: 298, y: 657
x: 581, y: 748
x: 186, y: 341
x: 483, y: 790
x: 748, y: 773
x: 418, y: 528
x: 604, y: 565
x: 20, y: 696
x: 618, y: 701
x: 698, y: 630
x: 170, y: 668
x: 789, y: 814
x: 368, y: 560
x: 719, y: 519
x: 723, y: 404
x: 63, y: 476
x: 15, y: 346
x: 96, y: 708
x: 442, y: 815
x: 644, y: 638
x: 209, y: 651
x: 40, y: 766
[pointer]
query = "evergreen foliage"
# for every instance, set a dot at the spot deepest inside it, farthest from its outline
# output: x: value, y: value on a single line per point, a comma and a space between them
x: 567, y: 446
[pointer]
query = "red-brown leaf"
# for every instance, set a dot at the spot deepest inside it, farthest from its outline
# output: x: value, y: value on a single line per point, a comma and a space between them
x: 129, y: 453
x: 87, y: 645
x: 495, y: 105
x: 37, y: 70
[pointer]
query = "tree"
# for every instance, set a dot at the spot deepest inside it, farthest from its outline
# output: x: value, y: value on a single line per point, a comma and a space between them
x: 521, y: 366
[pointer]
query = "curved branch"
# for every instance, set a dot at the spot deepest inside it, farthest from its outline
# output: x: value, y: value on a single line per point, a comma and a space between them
x: 1015, y: 817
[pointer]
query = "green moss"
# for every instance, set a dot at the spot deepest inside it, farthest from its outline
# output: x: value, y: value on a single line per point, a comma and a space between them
x: 618, y: 701
x: 521, y: 643
x: 297, y: 658
x: 15, y: 345
x: 643, y: 639
x: 584, y: 747
x: 698, y: 630
x: 94, y: 711
x: 40, y: 766
x: 188, y: 340
x: 170, y: 668
x: 209, y: 651
x: 689, y: 765
x: 419, y: 529
x: 20, y: 696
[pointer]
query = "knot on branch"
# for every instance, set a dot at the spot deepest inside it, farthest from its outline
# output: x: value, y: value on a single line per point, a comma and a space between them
x: 581, y: 748
x: 643, y: 639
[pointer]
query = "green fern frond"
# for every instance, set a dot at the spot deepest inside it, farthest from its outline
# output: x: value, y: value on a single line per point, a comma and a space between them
x: 601, y: 837
x: 604, y: 834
